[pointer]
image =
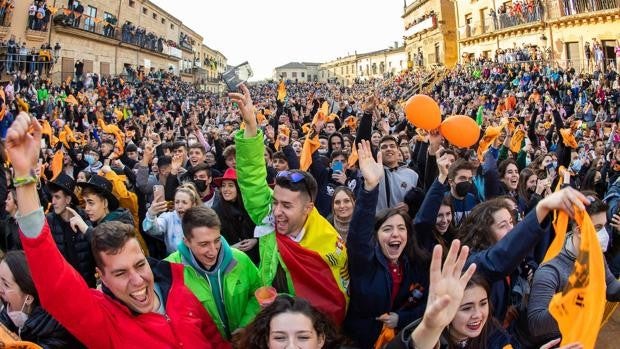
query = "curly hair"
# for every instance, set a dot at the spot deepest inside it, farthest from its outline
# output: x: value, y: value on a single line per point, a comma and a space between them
x: 256, y: 334
x: 476, y: 229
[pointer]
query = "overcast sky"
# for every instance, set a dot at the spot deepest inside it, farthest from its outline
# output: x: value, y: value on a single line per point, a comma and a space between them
x: 270, y: 33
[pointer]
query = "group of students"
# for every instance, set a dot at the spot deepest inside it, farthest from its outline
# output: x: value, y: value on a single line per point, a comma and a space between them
x: 154, y: 214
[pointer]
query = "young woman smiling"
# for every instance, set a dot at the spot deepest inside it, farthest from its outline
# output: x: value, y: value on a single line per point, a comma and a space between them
x: 386, y: 286
x: 342, y: 210
x: 237, y: 226
x: 168, y: 224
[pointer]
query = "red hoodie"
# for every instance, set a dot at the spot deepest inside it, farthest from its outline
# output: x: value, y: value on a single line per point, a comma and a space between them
x: 100, y: 321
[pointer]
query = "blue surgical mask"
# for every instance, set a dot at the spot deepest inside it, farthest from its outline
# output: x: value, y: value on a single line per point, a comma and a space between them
x: 576, y: 166
x: 90, y: 159
x: 555, y: 164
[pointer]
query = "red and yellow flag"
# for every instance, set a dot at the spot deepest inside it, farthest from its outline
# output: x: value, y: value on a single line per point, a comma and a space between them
x: 317, y: 266
x: 579, y: 308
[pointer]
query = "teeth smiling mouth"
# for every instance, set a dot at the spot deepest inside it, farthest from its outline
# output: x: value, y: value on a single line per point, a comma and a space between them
x: 140, y: 296
x: 394, y: 245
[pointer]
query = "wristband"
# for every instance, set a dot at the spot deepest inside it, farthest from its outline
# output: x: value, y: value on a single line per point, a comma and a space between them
x: 25, y: 180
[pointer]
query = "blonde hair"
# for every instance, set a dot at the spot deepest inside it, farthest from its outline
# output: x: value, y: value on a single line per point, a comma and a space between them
x: 190, y: 189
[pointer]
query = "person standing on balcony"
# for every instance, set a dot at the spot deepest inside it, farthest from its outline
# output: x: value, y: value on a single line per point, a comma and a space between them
x: 32, y: 11
x: 79, y: 10
x: 40, y: 16
x: 599, y: 56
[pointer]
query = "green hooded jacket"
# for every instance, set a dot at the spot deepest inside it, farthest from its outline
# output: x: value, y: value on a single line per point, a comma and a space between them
x: 236, y: 279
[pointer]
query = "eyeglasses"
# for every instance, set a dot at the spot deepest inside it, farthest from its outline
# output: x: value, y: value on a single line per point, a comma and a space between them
x: 294, y: 177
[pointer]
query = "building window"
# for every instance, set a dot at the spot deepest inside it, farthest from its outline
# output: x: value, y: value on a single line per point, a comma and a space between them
x: 132, y: 3
x: 163, y: 21
x: 154, y: 15
x: 303, y: 75
x: 91, y: 13
x: 294, y: 74
x: 436, y: 52
x: 144, y: 11
x: 283, y: 75
x: 171, y: 26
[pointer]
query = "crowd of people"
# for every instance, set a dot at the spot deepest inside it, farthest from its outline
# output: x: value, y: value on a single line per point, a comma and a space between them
x: 517, y: 13
x: 39, y: 15
x: 307, y: 214
x: 136, y: 35
x: 16, y: 57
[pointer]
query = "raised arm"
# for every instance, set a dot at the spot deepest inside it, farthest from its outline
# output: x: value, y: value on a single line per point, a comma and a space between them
x: 251, y: 168
x: 83, y: 315
x: 359, y: 240
x: 427, y: 215
x: 501, y: 259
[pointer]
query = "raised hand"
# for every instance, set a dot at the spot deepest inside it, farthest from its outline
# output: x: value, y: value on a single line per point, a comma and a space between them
x: 157, y: 207
x: 23, y: 144
x: 445, y: 292
x: 443, y: 164
x: 434, y: 138
x: 564, y: 200
x: 246, y: 106
x: 372, y: 170
x: 176, y: 164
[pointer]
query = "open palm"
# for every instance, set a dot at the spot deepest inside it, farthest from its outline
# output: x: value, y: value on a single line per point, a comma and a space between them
x: 371, y: 170
x: 447, y: 285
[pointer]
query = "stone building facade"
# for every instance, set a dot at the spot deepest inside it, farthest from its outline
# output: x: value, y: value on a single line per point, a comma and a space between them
x: 560, y: 31
x: 430, y: 35
x: 101, y: 38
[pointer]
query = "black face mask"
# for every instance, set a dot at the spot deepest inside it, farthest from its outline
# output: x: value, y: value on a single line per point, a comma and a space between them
x: 462, y: 188
x: 201, y: 185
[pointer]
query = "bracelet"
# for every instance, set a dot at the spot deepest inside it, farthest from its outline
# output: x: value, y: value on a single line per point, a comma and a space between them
x: 25, y: 180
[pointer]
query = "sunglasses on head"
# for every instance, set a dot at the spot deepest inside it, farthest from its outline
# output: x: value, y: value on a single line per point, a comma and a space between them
x: 294, y: 177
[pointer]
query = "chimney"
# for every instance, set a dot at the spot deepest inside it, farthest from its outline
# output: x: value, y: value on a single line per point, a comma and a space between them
x: 395, y: 44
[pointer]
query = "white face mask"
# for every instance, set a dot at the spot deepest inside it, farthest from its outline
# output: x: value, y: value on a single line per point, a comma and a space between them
x: 19, y: 317
x: 603, y: 238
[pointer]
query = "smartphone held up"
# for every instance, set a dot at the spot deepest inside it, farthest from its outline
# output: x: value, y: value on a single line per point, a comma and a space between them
x: 237, y: 75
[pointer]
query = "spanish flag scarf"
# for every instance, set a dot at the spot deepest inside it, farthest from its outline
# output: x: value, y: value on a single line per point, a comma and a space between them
x: 317, y: 266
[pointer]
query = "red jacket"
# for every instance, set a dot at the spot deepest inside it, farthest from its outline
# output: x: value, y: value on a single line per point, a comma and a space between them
x: 100, y: 321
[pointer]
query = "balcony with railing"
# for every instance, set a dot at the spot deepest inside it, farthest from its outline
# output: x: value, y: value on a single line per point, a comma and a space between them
x: 93, y: 28
x: 559, y: 10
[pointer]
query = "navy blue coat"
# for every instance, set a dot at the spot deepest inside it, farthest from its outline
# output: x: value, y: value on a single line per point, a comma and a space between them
x: 370, y: 286
x: 502, y: 259
x: 426, y: 219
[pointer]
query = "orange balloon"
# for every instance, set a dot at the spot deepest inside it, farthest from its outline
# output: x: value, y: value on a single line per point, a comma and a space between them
x: 423, y: 112
x: 460, y: 130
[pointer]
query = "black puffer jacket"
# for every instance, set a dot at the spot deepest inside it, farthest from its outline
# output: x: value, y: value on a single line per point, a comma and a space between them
x: 75, y: 247
x: 41, y: 328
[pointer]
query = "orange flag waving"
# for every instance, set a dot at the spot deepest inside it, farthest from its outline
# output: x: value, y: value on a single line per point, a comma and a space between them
x: 579, y: 308
x: 281, y: 91
x: 57, y: 162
